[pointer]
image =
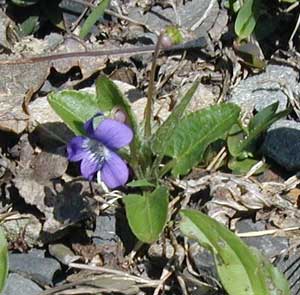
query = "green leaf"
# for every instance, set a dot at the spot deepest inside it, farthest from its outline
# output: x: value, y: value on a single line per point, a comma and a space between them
x: 29, y: 25
x: 140, y: 183
x: 234, y: 139
x: 276, y: 282
x: 165, y: 130
x: 246, y: 19
x: 147, y: 214
x: 233, y: 5
x: 195, y: 132
x: 241, y: 270
x: 74, y: 107
x: 96, y: 14
x: 243, y: 166
x: 3, y: 260
x: 263, y: 116
x: 109, y: 96
x: 240, y: 144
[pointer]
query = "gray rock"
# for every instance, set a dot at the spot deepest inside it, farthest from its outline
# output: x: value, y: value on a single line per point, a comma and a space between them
x: 37, y: 253
x: 157, y: 18
x: 268, y: 245
x: 17, y: 284
x: 261, y: 90
x: 71, y: 10
x: 62, y: 253
x: 105, y: 231
x: 282, y: 144
x: 41, y: 270
x: 247, y: 225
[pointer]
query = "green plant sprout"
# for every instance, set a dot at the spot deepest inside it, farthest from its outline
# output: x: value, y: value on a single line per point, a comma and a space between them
x: 156, y: 153
x: 3, y: 260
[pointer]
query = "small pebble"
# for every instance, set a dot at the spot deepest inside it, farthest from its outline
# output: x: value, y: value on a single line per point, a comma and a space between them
x: 18, y: 285
x: 62, y: 253
x: 41, y: 270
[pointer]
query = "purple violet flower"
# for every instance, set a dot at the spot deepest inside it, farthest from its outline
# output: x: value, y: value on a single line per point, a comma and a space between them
x: 96, y: 151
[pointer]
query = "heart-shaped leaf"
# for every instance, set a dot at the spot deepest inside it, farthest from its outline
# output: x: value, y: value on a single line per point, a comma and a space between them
x: 74, y: 107
x: 147, y: 214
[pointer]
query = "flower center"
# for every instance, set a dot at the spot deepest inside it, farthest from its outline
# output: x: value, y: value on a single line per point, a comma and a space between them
x: 96, y: 150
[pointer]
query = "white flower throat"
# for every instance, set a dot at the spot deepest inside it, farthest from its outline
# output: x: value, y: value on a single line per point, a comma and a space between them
x: 97, y: 151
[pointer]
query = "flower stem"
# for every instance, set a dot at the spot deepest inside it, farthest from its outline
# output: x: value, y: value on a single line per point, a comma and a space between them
x: 151, y: 90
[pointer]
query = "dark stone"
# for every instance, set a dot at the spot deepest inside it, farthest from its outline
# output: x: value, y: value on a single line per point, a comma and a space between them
x: 282, y: 145
x: 269, y: 245
x: 204, y: 263
x: 41, y: 270
x: 16, y: 284
x: 71, y: 10
x: 112, y: 228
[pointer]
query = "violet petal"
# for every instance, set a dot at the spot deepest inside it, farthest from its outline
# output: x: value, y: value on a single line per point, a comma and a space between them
x: 75, y: 149
x: 89, y: 167
x: 113, y: 133
x: 89, y: 124
x: 114, y: 172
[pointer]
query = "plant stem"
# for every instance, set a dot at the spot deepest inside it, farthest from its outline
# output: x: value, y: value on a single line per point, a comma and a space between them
x: 197, y: 43
x: 166, y: 168
x: 155, y: 166
x: 151, y: 90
